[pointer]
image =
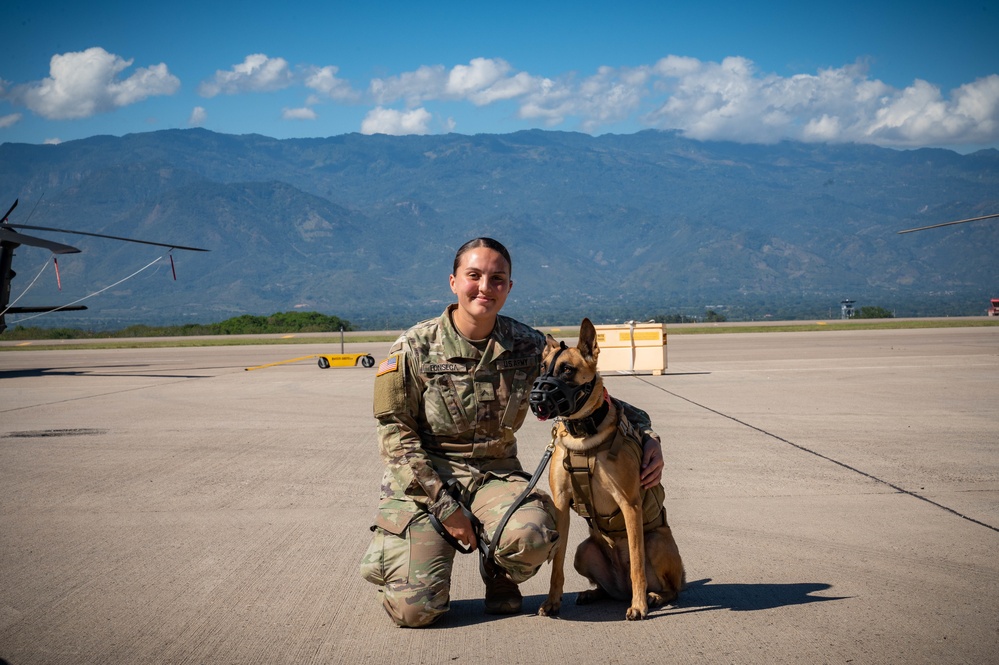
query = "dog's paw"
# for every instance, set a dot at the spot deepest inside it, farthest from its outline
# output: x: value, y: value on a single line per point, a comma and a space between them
x: 550, y: 608
x: 636, y: 614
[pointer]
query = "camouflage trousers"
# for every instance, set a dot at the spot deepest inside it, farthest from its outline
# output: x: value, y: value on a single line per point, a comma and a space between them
x: 412, y: 564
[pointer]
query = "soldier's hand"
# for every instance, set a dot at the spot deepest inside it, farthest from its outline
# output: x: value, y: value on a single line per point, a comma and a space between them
x: 652, y: 462
x: 461, y: 528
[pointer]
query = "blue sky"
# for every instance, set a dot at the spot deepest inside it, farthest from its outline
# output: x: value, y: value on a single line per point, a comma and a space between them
x: 896, y: 74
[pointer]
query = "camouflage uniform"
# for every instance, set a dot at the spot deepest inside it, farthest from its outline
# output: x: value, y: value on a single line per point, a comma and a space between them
x: 447, y: 408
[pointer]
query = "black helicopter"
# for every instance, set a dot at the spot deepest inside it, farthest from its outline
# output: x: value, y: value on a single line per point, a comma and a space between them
x: 11, y: 240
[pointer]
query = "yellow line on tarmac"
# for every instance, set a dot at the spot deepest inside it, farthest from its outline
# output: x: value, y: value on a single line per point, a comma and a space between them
x: 282, y: 362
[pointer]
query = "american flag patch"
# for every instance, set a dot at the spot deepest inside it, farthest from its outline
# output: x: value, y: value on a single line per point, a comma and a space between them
x: 390, y: 364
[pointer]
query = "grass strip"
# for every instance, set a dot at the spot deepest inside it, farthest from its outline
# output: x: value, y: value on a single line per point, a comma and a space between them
x: 559, y: 331
x: 819, y: 326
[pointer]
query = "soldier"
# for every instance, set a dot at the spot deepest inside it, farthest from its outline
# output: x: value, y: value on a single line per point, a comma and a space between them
x: 448, y: 401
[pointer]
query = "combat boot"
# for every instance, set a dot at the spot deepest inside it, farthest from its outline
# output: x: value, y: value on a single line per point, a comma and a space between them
x: 502, y: 596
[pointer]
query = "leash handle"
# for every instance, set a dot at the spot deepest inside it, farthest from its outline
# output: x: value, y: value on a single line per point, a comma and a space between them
x: 446, y: 535
x: 452, y: 488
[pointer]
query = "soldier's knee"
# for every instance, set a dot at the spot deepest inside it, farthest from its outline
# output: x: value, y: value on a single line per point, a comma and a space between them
x: 527, y: 542
x: 416, y: 606
x: 410, y: 616
x: 536, y: 539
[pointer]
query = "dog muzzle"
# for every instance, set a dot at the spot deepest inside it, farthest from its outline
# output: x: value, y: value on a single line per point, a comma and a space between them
x: 552, y: 397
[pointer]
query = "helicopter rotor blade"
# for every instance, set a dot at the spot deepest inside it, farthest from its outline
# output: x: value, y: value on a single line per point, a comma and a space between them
x: 9, y: 235
x: 43, y: 310
x: 101, y: 235
x: 7, y: 214
x: 960, y: 221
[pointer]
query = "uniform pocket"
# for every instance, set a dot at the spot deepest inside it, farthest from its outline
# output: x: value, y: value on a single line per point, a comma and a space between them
x: 373, y: 561
x: 387, y: 557
x: 444, y: 409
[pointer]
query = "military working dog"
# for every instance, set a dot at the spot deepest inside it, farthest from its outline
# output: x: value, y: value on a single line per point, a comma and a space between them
x: 630, y: 553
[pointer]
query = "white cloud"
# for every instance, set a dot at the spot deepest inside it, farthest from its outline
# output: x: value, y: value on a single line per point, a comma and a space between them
x: 824, y: 129
x: 390, y: 121
x: 82, y: 84
x: 298, y: 114
x: 726, y: 100
x: 257, y: 73
x: 920, y: 114
x: 52, y: 141
x: 715, y: 100
x: 425, y: 83
x: 325, y: 82
x: 482, y: 81
x: 479, y: 74
x: 198, y: 116
x: 677, y: 66
x: 732, y: 101
x: 551, y: 102
x: 486, y: 81
x: 611, y: 95
x: 978, y: 102
x: 507, y: 88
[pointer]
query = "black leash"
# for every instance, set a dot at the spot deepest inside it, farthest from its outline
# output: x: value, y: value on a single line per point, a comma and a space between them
x: 487, y: 563
x: 487, y: 553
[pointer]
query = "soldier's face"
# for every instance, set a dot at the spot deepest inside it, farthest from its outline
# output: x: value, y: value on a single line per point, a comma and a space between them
x: 482, y: 282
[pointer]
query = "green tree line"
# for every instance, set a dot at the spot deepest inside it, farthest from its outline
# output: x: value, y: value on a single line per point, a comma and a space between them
x: 247, y: 324
x: 871, y: 312
x: 710, y: 316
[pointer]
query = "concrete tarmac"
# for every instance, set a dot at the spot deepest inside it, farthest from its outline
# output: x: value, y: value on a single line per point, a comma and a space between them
x: 835, y: 497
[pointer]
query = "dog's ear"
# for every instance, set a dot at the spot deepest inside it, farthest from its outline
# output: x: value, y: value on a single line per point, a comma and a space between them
x: 587, y: 344
x: 550, y: 347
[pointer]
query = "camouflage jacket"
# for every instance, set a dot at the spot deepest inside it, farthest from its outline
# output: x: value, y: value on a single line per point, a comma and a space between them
x: 438, y: 397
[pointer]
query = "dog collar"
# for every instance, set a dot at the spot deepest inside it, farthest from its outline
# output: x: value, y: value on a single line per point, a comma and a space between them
x: 587, y: 426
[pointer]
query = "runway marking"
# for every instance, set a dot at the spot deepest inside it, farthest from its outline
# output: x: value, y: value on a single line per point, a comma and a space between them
x: 854, y: 469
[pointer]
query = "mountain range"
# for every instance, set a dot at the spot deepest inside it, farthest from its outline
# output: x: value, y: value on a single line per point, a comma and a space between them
x: 613, y: 227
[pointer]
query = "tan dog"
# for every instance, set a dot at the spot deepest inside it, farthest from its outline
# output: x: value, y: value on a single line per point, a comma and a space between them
x: 630, y: 552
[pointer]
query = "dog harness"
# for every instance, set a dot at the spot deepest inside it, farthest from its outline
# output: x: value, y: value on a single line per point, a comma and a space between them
x: 580, y: 466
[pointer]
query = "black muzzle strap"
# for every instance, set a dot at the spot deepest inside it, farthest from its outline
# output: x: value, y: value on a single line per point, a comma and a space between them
x: 552, y: 397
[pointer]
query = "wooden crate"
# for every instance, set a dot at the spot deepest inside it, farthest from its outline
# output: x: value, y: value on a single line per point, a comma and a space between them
x: 632, y: 347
